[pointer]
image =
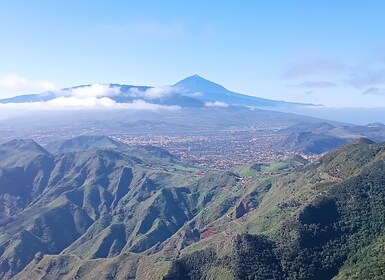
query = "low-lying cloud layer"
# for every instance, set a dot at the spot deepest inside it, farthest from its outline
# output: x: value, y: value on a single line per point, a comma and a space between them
x: 99, y: 96
x: 155, y: 92
x: 95, y: 90
x: 108, y: 96
x: 72, y: 102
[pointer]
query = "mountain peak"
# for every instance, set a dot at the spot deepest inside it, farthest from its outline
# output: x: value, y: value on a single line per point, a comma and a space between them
x: 23, y: 145
x: 82, y: 143
x: 196, y: 83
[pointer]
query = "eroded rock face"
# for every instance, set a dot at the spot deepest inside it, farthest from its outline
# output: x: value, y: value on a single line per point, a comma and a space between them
x: 241, y: 209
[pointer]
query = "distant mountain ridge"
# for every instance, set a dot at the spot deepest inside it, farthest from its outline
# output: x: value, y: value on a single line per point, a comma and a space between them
x: 310, y: 143
x: 317, y: 138
x: 193, y: 91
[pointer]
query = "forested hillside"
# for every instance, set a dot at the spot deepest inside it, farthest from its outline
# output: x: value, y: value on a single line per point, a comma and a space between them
x: 141, y: 213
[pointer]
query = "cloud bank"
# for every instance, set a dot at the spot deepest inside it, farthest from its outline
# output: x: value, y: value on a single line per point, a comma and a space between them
x: 72, y: 102
x: 155, y: 92
x: 216, y: 104
x: 96, y: 96
x: 95, y: 90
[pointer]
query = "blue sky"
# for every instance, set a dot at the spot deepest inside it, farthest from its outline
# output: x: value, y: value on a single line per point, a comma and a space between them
x: 327, y: 52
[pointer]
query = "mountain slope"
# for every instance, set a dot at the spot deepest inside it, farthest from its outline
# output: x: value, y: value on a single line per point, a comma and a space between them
x: 101, y: 203
x: 207, y: 91
x: 375, y: 132
x: 310, y: 143
x: 333, y: 220
x: 144, y: 210
x: 76, y: 195
x: 25, y: 168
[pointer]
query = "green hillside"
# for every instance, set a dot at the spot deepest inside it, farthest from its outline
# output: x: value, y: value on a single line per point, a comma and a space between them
x: 140, y: 213
x: 321, y: 222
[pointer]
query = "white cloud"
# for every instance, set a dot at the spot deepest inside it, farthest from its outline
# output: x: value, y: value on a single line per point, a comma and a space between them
x: 95, y: 96
x: 11, y: 85
x: 95, y: 90
x: 76, y: 102
x: 155, y: 92
x: 216, y: 104
x: 72, y: 102
x: 143, y: 105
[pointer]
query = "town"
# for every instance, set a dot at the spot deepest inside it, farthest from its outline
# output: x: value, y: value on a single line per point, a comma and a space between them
x: 220, y: 149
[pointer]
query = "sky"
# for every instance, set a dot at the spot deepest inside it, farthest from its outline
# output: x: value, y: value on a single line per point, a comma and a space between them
x: 320, y: 52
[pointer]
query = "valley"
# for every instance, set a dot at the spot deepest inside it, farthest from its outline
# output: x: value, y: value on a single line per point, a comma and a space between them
x: 112, y: 211
x: 199, y: 186
x: 192, y: 140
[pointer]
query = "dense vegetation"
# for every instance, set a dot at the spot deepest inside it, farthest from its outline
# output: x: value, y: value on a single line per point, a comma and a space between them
x: 119, y: 213
x: 343, y: 226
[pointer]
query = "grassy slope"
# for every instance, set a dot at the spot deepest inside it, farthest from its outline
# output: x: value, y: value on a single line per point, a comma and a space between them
x: 191, y: 212
x: 292, y: 214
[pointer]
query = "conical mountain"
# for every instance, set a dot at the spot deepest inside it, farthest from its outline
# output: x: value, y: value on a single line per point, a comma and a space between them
x: 22, y: 145
x: 196, y: 83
